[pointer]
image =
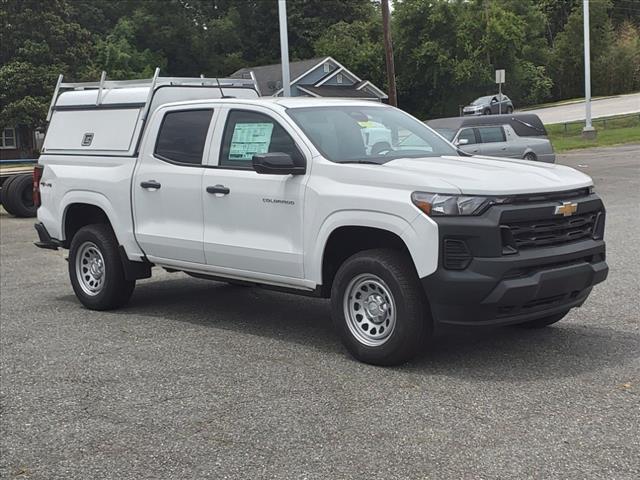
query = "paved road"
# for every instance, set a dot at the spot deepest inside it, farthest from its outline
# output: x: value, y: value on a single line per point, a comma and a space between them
x: 604, y: 107
x: 202, y: 380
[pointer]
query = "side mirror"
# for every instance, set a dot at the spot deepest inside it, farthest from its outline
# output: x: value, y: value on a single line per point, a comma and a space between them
x: 462, y: 141
x: 276, y: 163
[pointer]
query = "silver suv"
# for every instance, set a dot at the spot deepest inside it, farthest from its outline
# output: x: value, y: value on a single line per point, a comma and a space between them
x: 489, y: 105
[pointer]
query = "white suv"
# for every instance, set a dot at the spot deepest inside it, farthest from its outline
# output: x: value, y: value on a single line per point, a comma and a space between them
x: 284, y: 193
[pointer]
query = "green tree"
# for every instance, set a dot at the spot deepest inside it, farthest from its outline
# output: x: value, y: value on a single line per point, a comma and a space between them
x: 39, y: 42
x: 618, y: 71
x: 447, y: 52
x: 357, y: 45
x: 567, y: 60
x: 117, y: 55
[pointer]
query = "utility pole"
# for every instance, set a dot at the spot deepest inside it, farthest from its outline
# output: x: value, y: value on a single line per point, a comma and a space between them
x: 388, y: 50
x: 284, y: 48
x: 588, y: 131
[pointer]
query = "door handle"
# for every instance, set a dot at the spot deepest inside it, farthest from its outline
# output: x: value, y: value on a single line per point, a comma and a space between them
x: 218, y: 189
x: 150, y: 184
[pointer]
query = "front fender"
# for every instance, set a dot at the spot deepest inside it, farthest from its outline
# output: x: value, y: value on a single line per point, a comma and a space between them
x: 420, y: 236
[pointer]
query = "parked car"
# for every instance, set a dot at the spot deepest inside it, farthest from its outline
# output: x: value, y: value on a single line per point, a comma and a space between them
x: 489, y: 105
x: 284, y: 193
x: 514, y: 136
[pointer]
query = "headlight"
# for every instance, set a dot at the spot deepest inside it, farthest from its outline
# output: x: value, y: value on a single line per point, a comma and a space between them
x: 439, y: 204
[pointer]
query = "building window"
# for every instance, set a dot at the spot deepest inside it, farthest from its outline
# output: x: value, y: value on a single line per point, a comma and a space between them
x: 339, y: 78
x: 327, y: 68
x: 8, y: 138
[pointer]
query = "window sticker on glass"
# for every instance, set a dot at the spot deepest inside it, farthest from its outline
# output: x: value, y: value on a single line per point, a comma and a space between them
x: 249, y: 139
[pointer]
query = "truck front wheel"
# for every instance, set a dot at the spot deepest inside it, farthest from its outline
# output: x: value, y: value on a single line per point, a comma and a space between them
x: 379, y: 308
x: 96, y: 270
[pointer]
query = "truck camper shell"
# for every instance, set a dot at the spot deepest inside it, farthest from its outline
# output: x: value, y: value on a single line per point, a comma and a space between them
x: 108, y: 117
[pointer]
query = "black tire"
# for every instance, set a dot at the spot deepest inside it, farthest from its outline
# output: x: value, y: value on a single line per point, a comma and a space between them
x: 509, y: 110
x: 530, y: 156
x: 487, y: 111
x: 543, y: 322
x: 17, y: 197
x: 116, y: 290
x: 3, y: 194
x: 413, y: 324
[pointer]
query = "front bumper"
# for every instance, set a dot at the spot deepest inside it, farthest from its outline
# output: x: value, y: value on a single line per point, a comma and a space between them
x: 498, y: 288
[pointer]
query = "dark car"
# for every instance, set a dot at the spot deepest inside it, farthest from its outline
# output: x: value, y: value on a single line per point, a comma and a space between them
x: 489, y: 105
x: 520, y: 135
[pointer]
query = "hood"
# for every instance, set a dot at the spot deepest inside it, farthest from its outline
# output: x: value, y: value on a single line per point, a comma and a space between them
x: 479, y: 175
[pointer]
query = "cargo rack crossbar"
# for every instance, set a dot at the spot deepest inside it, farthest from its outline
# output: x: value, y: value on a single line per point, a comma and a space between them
x: 153, y: 83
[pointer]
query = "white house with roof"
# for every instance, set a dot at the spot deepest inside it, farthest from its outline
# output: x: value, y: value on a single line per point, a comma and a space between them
x: 317, y: 77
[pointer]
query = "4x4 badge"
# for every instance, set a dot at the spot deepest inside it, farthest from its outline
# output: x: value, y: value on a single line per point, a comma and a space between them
x: 566, y: 209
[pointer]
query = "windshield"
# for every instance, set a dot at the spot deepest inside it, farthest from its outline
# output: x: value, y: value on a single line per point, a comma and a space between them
x: 368, y: 134
x: 480, y: 101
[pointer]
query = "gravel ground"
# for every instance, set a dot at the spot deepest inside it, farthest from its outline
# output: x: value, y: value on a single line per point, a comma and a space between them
x: 196, y: 379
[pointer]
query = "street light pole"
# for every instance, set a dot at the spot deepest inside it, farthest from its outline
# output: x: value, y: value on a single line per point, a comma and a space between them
x: 284, y: 48
x: 588, y: 131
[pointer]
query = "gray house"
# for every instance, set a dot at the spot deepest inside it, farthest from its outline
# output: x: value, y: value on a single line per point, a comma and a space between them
x: 318, y: 77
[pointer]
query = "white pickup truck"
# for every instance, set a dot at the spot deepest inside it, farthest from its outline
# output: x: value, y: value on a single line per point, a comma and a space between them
x: 284, y: 193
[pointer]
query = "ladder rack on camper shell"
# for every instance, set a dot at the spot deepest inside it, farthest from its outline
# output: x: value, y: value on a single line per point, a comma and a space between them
x: 153, y: 84
x: 109, y: 117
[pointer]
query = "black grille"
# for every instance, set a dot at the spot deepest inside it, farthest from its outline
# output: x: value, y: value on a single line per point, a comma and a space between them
x: 540, y: 233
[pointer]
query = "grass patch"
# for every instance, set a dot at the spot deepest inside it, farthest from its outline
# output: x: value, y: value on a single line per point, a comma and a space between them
x: 611, y: 131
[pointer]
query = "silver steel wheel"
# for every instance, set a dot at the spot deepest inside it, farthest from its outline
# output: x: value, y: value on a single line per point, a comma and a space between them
x: 369, y: 309
x: 90, y: 269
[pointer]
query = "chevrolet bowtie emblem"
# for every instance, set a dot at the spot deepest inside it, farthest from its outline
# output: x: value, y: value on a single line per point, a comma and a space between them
x: 566, y: 209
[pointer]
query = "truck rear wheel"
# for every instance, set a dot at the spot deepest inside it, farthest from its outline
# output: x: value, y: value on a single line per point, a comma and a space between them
x: 96, y: 270
x: 379, y: 308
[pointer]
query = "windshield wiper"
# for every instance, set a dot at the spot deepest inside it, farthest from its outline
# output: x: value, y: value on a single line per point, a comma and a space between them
x: 367, y: 162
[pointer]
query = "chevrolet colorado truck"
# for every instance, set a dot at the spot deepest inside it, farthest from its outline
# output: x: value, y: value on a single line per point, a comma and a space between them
x: 205, y: 178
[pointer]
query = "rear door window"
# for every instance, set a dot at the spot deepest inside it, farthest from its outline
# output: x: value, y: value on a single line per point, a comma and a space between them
x: 182, y: 136
x: 491, y: 134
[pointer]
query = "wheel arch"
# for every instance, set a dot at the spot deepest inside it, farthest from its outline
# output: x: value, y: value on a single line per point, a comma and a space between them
x: 357, y: 231
x: 84, y: 208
